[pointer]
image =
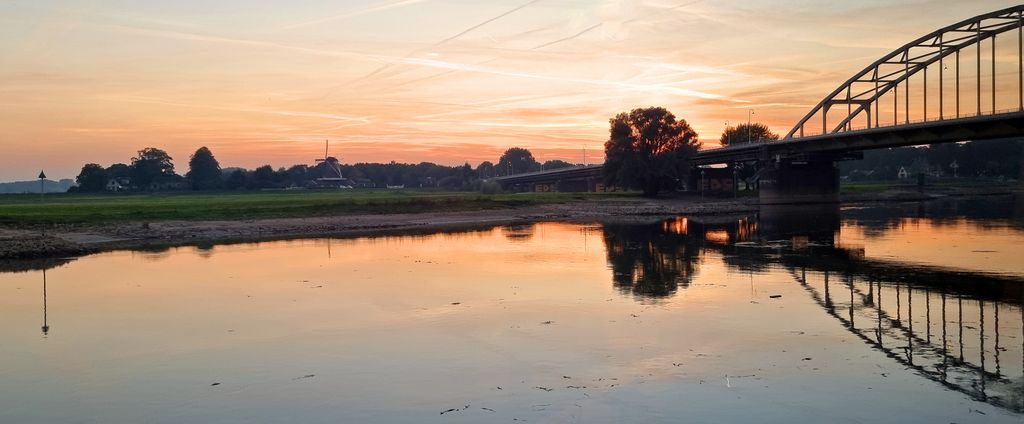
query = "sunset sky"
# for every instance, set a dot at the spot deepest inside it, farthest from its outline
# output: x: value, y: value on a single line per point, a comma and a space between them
x: 447, y: 81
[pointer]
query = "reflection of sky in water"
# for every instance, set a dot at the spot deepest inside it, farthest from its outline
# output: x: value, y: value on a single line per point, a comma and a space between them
x: 959, y: 243
x: 623, y: 322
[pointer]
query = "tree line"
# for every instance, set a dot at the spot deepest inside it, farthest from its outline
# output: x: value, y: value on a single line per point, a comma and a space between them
x: 153, y: 169
x: 984, y: 159
x: 648, y: 149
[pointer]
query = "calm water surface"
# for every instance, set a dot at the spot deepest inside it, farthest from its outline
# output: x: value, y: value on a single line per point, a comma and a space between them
x: 877, y: 313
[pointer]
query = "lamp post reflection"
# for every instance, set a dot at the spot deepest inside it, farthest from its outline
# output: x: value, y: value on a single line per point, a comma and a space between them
x: 46, y: 325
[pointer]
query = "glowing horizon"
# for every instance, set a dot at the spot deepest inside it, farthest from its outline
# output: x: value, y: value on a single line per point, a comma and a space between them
x: 444, y: 81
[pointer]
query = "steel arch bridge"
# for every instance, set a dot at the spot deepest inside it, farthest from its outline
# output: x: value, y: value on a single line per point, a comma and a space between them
x: 864, y: 93
x: 896, y: 101
x: 963, y: 82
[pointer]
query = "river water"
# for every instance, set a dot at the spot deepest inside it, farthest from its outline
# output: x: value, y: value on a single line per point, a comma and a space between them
x: 870, y: 313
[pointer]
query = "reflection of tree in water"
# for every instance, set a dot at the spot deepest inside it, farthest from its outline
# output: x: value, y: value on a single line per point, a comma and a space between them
x: 519, y: 232
x: 648, y: 261
x: 28, y: 265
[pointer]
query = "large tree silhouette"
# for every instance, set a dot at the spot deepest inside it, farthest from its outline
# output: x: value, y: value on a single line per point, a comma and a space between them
x: 203, y: 170
x: 516, y: 160
x: 744, y: 133
x: 151, y: 166
x: 648, y: 149
x: 92, y: 178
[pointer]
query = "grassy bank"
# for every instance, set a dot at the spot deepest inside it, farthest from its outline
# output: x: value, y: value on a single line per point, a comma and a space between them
x: 65, y: 208
x: 945, y: 186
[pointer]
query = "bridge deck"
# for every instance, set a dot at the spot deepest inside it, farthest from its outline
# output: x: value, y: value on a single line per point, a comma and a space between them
x: 984, y: 127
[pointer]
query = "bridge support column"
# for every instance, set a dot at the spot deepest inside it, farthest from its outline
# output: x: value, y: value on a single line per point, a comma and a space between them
x: 793, y: 181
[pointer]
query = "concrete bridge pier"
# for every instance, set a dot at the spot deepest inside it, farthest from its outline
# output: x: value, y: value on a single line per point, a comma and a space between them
x: 788, y: 181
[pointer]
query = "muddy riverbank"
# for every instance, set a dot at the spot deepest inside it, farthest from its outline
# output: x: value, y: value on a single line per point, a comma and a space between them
x: 18, y: 242
x: 78, y: 239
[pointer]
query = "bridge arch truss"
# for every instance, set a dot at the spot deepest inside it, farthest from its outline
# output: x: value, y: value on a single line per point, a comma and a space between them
x: 884, y: 93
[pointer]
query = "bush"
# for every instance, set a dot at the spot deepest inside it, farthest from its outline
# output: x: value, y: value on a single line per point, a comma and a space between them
x: 490, y: 187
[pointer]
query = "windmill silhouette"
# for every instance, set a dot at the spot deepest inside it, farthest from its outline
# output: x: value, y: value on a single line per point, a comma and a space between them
x: 334, y: 177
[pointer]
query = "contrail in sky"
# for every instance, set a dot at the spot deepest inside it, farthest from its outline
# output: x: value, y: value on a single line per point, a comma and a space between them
x: 355, y: 13
x: 487, y: 22
x: 574, y: 36
x: 506, y: 13
x: 598, y: 25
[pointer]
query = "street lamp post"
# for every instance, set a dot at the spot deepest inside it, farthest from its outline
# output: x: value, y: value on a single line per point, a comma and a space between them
x: 702, y: 183
x: 750, y: 113
x: 735, y: 180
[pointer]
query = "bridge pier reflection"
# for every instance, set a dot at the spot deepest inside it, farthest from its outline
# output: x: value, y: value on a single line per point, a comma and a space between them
x: 799, y: 181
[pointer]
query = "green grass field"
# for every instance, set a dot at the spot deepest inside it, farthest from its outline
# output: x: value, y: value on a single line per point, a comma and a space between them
x: 965, y: 186
x: 105, y: 208
x: 870, y: 187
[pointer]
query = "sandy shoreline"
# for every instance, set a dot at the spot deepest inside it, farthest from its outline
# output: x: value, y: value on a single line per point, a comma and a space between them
x: 75, y: 240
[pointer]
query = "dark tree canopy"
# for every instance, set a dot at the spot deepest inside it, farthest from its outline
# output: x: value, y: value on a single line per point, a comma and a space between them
x: 92, y: 178
x: 151, y: 166
x: 743, y: 133
x: 986, y: 159
x: 516, y: 160
x: 236, y: 180
x: 485, y: 169
x: 648, y: 149
x: 556, y: 164
x: 262, y: 177
x: 203, y: 170
x: 119, y: 170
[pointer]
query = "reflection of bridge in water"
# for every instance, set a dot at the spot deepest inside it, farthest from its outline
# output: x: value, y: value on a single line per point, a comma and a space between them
x: 941, y: 335
x: 963, y: 330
